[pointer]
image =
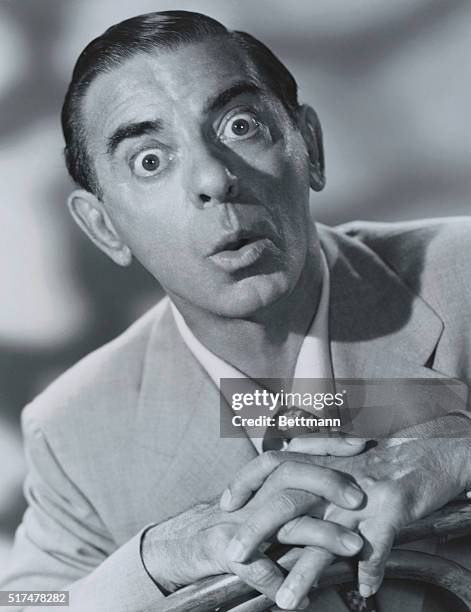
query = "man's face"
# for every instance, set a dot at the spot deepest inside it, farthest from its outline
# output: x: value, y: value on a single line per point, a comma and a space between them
x: 203, y: 175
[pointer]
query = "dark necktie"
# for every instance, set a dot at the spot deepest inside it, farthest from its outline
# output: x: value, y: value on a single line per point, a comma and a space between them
x: 277, y: 438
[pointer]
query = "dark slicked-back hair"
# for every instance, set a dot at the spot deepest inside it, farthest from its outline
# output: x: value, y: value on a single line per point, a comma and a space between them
x: 165, y: 30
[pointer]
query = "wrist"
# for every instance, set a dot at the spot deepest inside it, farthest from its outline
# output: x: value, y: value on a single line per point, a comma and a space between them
x: 152, y: 560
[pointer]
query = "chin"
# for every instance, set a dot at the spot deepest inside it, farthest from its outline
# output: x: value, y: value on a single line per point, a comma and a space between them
x: 250, y: 296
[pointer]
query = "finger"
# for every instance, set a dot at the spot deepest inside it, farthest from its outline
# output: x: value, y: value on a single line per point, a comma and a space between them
x: 379, y: 539
x: 338, y: 446
x: 261, y: 573
x: 249, y: 479
x: 334, y: 538
x: 282, y: 504
x: 252, y: 476
x: 322, y: 481
x: 304, y: 574
x: 291, y: 491
x: 262, y: 523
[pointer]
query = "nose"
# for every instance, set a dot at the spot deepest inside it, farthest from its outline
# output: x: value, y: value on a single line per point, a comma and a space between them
x: 210, y: 181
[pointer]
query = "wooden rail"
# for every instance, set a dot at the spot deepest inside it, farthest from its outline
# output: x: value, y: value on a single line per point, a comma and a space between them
x: 228, y: 591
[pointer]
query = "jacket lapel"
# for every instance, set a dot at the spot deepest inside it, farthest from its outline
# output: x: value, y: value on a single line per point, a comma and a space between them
x: 378, y: 329
x: 377, y: 326
x: 177, y: 425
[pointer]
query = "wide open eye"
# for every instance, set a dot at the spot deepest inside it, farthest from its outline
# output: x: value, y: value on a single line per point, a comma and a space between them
x: 149, y: 162
x: 239, y: 126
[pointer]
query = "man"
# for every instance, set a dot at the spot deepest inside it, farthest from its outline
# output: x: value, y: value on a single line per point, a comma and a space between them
x: 192, y: 154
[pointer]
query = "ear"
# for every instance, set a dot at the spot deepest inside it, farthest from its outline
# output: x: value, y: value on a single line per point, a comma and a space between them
x: 90, y: 215
x: 310, y: 128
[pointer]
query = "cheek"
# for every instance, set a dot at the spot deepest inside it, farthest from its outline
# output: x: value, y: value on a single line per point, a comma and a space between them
x: 287, y: 165
x: 148, y: 218
x: 291, y: 186
x: 297, y: 164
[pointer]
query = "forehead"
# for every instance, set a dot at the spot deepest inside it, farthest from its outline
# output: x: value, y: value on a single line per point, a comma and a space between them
x: 162, y: 84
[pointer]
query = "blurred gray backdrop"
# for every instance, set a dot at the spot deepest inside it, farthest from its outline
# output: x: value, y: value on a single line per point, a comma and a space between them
x: 391, y: 83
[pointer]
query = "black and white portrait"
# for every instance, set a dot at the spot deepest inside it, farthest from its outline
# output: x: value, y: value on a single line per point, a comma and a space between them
x: 235, y: 320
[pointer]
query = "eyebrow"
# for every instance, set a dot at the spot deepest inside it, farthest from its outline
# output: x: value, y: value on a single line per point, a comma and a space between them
x: 131, y: 130
x: 214, y: 103
x: 220, y: 100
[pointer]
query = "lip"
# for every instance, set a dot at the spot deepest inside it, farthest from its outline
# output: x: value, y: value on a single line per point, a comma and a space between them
x: 239, y: 250
x: 229, y: 242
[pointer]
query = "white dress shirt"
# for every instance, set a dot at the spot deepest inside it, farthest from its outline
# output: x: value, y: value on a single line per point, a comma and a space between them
x: 313, y: 359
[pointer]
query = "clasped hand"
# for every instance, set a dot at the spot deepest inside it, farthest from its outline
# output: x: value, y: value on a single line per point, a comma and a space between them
x: 402, y: 480
x: 200, y: 542
x: 323, y: 494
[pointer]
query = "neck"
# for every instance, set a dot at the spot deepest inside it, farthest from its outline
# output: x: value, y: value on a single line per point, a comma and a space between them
x: 265, y: 346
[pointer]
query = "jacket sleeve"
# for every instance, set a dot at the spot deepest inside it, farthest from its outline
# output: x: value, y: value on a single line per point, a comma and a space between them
x: 63, y: 544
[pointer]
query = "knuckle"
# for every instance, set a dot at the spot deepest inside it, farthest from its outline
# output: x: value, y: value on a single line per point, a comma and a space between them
x: 374, y: 567
x: 286, y: 505
x: 250, y: 530
x: 219, y: 536
x: 329, y: 479
x: 375, y: 563
x: 391, y: 494
x: 289, y: 528
x: 261, y: 573
x: 271, y: 459
x: 225, y: 532
x: 337, y: 480
x: 299, y: 576
x: 399, y: 495
x: 287, y: 470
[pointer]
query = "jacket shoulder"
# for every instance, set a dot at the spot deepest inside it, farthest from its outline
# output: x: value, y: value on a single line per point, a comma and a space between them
x: 380, y: 234
x: 419, y: 251
x: 100, y: 386
x: 432, y: 258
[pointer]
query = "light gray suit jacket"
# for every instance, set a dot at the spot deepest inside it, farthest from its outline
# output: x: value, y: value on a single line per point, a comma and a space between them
x: 130, y: 435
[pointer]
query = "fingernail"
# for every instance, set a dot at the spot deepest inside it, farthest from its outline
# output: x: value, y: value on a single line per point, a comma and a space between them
x: 353, y: 495
x: 351, y: 541
x: 235, y: 551
x: 225, y: 499
x: 285, y: 598
x: 365, y: 590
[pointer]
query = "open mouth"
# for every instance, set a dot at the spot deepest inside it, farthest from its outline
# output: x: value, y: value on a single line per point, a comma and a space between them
x: 239, y: 250
x: 238, y: 244
x: 236, y: 241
